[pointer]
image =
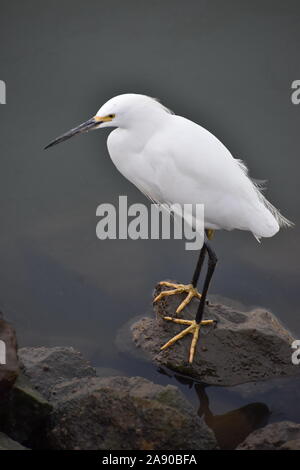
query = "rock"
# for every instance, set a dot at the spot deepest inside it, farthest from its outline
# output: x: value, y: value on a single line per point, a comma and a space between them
x: 24, y: 411
x: 47, y: 367
x: 107, y: 372
x: 9, y: 367
x: 6, y: 443
x: 291, y: 445
x: 123, y: 340
x: 243, y: 347
x: 121, y: 413
x: 276, y: 436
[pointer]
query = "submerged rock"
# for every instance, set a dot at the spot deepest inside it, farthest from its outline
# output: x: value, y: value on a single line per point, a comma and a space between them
x: 243, y: 347
x: 284, y: 435
x: 9, y: 367
x: 121, y: 413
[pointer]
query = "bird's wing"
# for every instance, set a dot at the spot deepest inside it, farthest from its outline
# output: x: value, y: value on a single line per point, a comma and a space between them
x: 193, y: 166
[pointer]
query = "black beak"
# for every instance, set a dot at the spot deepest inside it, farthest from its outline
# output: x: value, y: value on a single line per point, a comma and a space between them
x: 85, y: 127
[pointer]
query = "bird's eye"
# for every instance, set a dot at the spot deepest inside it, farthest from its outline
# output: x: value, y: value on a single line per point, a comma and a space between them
x: 111, y: 116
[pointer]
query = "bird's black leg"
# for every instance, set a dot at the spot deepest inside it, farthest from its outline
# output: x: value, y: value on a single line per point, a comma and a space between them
x: 209, y: 234
x: 199, y: 266
x: 189, y: 289
x: 193, y: 326
x: 212, y: 261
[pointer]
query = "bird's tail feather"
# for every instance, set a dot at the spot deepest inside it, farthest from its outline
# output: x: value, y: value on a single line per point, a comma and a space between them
x: 260, y: 185
x: 280, y: 219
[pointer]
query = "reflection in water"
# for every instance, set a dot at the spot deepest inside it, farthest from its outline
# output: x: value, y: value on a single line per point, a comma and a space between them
x: 233, y: 427
x: 230, y: 428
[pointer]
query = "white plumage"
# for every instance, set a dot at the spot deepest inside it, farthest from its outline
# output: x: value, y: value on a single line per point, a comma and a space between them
x: 173, y: 160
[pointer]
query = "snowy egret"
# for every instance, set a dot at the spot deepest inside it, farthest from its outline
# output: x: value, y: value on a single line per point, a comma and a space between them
x: 173, y: 160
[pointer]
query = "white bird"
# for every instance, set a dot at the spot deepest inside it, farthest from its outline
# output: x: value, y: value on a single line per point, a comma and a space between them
x: 173, y: 160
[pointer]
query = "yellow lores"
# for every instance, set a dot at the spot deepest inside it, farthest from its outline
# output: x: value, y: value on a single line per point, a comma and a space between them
x: 107, y: 118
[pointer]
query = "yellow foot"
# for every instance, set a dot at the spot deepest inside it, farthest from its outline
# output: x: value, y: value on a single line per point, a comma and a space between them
x: 178, y: 289
x: 193, y: 328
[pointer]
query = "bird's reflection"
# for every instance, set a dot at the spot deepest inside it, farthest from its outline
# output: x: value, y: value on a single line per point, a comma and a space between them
x: 230, y: 428
x: 233, y: 427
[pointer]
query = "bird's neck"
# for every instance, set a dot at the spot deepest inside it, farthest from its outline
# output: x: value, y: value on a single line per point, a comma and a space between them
x: 145, y: 126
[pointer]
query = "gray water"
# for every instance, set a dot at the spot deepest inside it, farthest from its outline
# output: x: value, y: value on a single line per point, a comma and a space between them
x: 226, y: 65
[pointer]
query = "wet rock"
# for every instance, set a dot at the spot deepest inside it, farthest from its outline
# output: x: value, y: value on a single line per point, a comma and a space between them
x: 6, y: 443
x: 91, y: 412
x: 9, y: 367
x: 46, y: 367
x: 126, y: 414
x: 291, y: 445
x: 24, y: 412
x: 108, y: 372
x: 276, y: 436
x: 123, y: 340
x: 22, y: 409
x: 245, y: 346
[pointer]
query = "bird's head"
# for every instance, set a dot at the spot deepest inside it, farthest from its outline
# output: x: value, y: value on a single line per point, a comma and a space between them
x: 122, y: 111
